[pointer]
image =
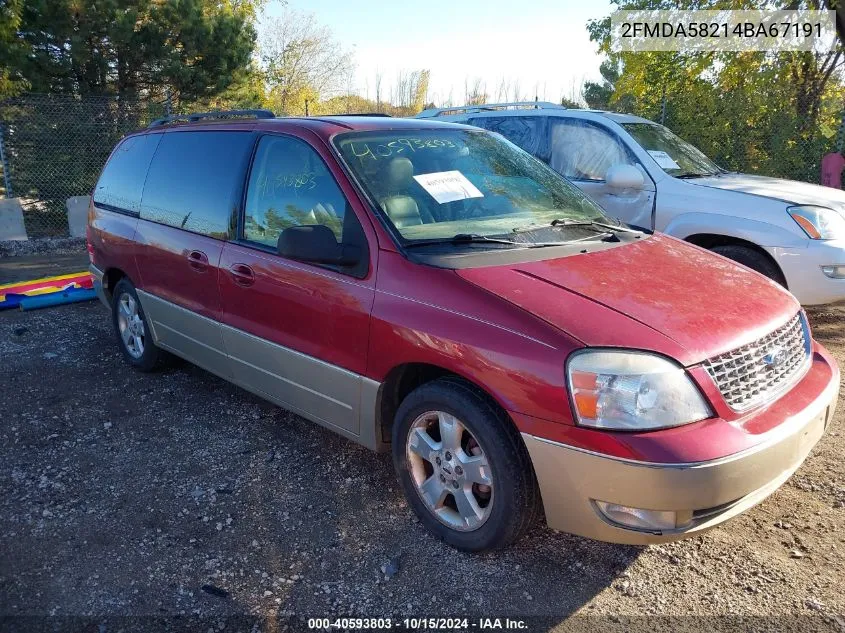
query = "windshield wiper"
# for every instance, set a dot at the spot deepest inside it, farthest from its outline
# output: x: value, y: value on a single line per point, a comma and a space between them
x: 603, y: 225
x: 473, y: 238
x: 692, y: 174
x: 462, y: 238
x: 469, y: 238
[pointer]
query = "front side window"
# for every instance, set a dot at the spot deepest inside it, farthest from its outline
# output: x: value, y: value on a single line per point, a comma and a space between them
x: 526, y: 132
x: 122, y: 181
x: 583, y: 151
x: 441, y: 183
x: 194, y: 180
x: 674, y: 155
x: 290, y: 185
x: 292, y: 198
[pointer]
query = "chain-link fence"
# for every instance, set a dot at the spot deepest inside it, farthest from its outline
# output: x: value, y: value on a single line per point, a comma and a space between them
x: 776, y: 141
x: 790, y: 151
x: 54, y: 146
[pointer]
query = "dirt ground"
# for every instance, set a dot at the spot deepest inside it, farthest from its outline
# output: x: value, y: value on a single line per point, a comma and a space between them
x: 154, y: 502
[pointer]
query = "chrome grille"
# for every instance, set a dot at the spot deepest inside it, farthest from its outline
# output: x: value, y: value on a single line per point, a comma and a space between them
x: 754, y: 373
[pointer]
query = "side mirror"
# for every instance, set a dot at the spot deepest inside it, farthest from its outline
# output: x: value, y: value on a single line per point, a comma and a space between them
x: 624, y: 177
x: 317, y: 244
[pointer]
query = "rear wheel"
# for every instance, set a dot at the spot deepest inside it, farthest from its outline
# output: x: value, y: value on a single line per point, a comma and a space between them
x: 463, y: 467
x: 753, y: 259
x: 130, y: 326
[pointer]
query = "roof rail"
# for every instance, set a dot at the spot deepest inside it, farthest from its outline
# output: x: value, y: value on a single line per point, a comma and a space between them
x: 358, y: 114
x: 485, y: 107
x: 221, y: 114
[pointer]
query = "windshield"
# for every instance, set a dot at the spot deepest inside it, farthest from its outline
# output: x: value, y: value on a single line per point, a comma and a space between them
x: 437, y: 184
x: 674, y: 155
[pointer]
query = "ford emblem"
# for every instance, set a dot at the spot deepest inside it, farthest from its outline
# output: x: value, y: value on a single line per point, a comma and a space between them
x: 775, y: 357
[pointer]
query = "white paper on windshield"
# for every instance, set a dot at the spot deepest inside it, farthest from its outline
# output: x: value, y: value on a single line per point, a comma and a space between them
x: 448, y: 186
x: 663, y: 159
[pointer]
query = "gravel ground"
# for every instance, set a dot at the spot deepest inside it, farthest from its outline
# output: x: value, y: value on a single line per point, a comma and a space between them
x: 141, y: 502
x: 51, y: 245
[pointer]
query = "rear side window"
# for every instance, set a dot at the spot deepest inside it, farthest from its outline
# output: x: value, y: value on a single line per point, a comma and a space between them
x: 194, y: 180
x: 526, y: 132
x: 122, y: 181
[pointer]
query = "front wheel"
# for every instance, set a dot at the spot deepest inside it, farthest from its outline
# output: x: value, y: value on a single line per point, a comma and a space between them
x: 753, y: 259
x: 463, y: 467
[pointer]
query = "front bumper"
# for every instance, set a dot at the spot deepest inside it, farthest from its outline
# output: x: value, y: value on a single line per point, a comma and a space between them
x: 802, y: 268
x: 702, y: 494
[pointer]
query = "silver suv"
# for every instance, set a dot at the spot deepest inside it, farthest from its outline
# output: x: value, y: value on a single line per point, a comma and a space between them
x: 643, y: 174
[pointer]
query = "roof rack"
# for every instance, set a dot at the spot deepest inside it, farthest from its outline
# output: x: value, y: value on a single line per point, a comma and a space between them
x: 221, y: 114
x: 358, y: 114
x: 486, y: 107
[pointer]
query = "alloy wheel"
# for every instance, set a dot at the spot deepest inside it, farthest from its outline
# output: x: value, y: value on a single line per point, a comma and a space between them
x: 450, y: 471
x: 131, y: 325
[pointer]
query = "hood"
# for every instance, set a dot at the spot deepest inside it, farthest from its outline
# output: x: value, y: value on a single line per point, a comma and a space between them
x: 659, y: 294
x: 790, y: 191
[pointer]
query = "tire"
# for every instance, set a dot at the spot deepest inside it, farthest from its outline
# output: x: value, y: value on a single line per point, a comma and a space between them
x: 491, y: 450
x: 129, y: 319
x: 752, y: 259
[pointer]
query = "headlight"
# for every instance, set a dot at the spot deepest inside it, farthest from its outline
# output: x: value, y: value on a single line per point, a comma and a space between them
x: 632, y: 391
x: 819, y: 223
x: 834, y: 272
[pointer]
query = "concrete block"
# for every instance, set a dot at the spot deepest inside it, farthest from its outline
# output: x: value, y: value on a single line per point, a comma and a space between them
x: 77, y: 215
x: 11, y: 220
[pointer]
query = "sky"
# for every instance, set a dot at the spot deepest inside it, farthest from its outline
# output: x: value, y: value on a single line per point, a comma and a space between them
x: 542, y: 44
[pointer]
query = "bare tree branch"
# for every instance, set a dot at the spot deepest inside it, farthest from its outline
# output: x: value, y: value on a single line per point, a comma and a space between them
x: 301, y: 60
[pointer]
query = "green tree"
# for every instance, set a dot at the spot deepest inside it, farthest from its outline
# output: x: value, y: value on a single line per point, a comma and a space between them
x: 773, y: 113
x: 134, y: 47
x: 598, y: 94
x: 247, y: 90
x: 11, y: 51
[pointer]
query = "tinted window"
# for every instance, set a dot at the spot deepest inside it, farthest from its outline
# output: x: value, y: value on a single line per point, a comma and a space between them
x: 582, y: 151
x: 527, y: 133
x: 194, y: 180
x: 122, y: 181
x: 290, y: 185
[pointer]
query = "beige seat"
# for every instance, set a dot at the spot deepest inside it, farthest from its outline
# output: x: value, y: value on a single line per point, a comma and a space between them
x: 401, y: 208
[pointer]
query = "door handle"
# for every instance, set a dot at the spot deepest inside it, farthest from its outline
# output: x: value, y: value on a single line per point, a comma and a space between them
x: 242, y: 274
x: 198, y: 261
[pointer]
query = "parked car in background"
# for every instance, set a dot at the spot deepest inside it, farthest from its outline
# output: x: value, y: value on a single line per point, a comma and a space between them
x: 433, y: 290
x: 643, y: 174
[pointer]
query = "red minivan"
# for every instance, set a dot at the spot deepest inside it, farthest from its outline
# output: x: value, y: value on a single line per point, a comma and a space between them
x: 431, y: 289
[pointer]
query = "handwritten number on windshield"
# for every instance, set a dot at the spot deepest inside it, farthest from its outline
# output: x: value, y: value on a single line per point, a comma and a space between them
x: 367, y: 151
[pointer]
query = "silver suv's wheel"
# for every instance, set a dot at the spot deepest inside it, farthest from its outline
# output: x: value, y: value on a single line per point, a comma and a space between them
x: 450, y: 471
x: 753, y: 259
x: 463, y: 466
